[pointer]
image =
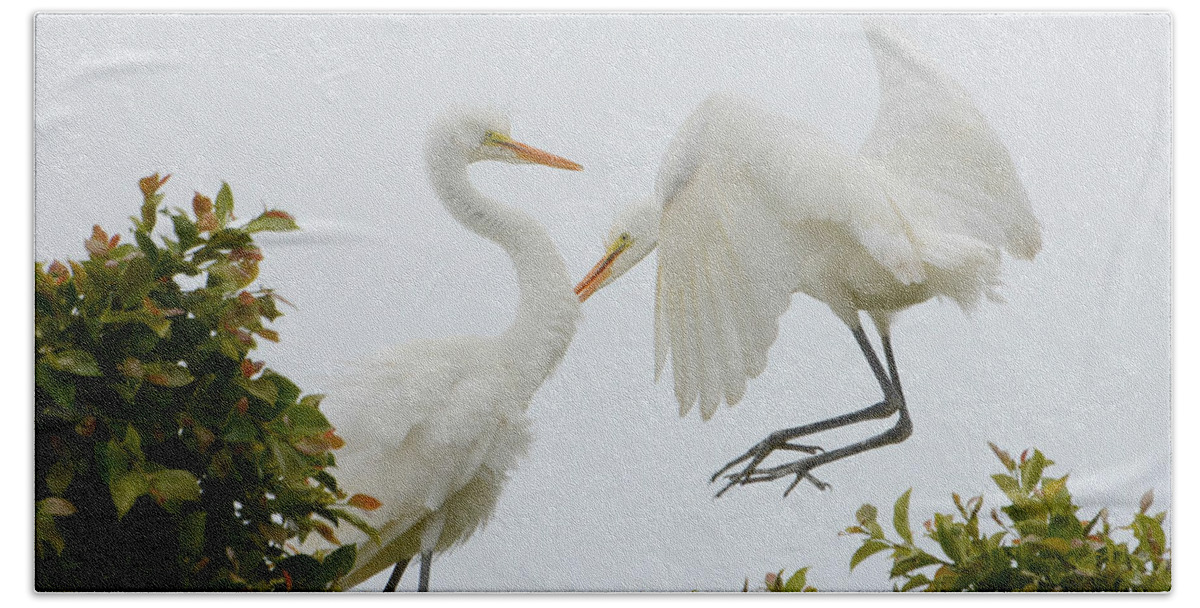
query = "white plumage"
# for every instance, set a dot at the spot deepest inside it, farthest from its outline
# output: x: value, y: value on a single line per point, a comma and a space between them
x: 433, y: 427
x: 751, y: 207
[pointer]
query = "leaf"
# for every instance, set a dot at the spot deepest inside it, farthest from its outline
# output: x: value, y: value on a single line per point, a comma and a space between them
x: 133, y: 443
x: 288, y: 392
x: 75, y: 361
x: 900, y: 517
x: 866, y: 513
x: 920, y: 559
x: 146, y: 244
x: 57, y: 507
x: 869, y: 547
x: 272, y: 220
x: 175, y: 484
x: 59, y: 476
x: 63, y: 393
x: 291, y: 464
x: 262, y: 388
x: 303, y: 420
x: 187, y: 232
x: 127, y: 489
x: 167, y: 374
x: 1146, y: 502
x: 364, y: 502
x: 313, y: 401
x: 1031, y: 471
x: 915, y: 581
x: 326, y: 532
x: 356, y: 521
x: 136, y: 281
x: 948, y: 535
x: 224, y: 205
x: 158, y: 325
x: 796, y: 582
x: 46, y: 532
x: 1004, y: 457
x: 340, y: 562
x: 1010, y: 487
x: 1058, y: 545
x: 240, y: 430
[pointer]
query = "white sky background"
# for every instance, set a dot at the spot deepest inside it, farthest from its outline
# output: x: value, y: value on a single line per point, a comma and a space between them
x: 325, y: 117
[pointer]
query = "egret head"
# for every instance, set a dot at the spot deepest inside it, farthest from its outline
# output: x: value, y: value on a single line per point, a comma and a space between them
x: 480, y: 135
x: 634, y: 234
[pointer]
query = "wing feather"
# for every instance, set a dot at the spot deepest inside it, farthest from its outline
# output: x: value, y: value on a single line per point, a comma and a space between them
x: 930, y: 136
x: 727, y: 270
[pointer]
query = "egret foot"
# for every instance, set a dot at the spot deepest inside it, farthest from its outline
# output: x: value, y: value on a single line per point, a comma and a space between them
x: 780, y: 440
x: 802, y: 469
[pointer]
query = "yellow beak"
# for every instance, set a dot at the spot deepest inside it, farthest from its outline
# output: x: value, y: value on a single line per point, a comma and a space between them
x: 599, y: 273
x: 531, y: 154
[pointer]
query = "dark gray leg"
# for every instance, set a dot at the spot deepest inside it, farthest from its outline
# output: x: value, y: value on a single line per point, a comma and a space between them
x: 394, y: 579
x: 891, y: 361
x: 893, y: 401
x: 426, y: 563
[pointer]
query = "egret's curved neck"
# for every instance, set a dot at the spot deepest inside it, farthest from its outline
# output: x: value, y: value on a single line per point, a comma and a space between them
x: 548, y: 309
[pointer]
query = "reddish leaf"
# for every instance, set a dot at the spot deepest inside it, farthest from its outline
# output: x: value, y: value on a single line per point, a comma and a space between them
x: 326, y: 532
x: 98, y: 244
x: 151, y: 184
x: 364, y: 502
x: 201, y: 205
x: 59, y: 272
x: 249, y: 368
x: 335, y: 442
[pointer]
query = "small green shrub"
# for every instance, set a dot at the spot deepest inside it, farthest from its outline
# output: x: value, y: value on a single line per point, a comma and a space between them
x: 1041, y: 545
x: 165, y: 458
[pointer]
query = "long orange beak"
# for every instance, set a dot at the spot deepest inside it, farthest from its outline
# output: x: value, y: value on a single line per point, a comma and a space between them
x: 597, y: 275
x: 531, y: 154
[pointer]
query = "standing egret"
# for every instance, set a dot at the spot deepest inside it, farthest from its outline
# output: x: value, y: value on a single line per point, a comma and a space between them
x: 432, y: 427
x: 751, y: 207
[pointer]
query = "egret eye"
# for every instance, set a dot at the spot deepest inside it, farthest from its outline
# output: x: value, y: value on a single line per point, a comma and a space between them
x: 625, y: 240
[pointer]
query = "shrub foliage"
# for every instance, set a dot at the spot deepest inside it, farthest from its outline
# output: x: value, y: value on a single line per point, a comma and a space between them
x: 166, y: 458
x: 1041, y: 543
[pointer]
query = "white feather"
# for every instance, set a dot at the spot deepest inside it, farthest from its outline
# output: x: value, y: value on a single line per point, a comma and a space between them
x: 755, y: 207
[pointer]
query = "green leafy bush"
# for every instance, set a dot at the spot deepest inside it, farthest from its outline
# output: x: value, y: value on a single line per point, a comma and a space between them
x: 1041, y: 545
x: 165, y: 458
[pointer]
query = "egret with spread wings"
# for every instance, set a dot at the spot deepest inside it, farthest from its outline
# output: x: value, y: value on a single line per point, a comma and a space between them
x: 751, y: 207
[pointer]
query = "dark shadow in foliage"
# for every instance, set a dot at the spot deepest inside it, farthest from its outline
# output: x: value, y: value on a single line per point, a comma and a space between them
x: 165, y: 458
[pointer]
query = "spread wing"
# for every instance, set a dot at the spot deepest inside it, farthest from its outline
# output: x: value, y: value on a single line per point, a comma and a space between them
x: 954, y: 176
x: 737, y: 182
x: 719, y: 293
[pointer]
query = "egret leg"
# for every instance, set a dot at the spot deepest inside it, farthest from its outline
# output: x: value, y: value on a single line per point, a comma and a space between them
x: 426, y: 564
x: 394, y: 579
x: 889, y: 382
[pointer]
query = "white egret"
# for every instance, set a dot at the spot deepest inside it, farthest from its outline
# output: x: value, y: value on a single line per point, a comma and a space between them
x: 751, y: 207
x: 433, y: 427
